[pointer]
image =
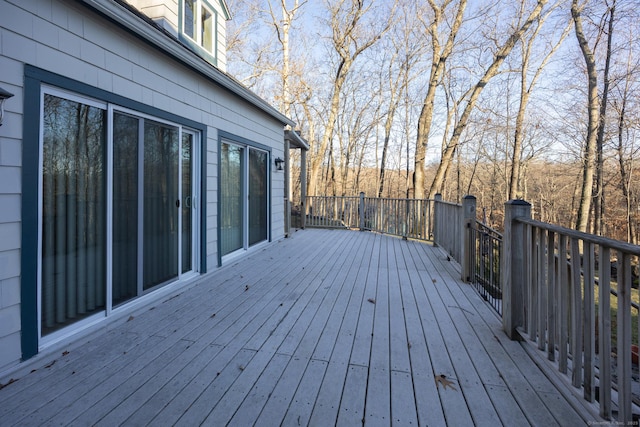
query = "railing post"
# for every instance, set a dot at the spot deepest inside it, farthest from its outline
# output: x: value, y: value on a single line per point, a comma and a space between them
x: 303, y: 186
x: 437, y: 199
x: 512, y: 266
x: 467, y: 244
x: 361, y: 210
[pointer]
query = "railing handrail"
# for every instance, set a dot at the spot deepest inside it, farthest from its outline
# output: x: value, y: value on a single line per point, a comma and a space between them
x: 444, y: 202
x: 491, y: 230
x: 618, y: 245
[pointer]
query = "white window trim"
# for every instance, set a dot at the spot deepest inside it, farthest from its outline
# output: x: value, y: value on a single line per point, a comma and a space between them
x: 198, y: 6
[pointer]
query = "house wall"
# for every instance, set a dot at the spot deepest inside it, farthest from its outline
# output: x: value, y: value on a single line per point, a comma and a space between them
x: 69, y: 39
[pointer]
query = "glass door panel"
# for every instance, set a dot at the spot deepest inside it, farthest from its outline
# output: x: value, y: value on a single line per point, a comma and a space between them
x: 187, y: 201
x: 258, y: 193
x: 231, y: 196
x: 161, y: 204
x: 126, y: 133
x: 73, y: 220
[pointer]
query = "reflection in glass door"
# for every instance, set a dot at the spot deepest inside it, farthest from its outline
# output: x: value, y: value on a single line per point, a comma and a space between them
x: 161, y: 204
x: 126, y: 133
x: 153, y: 213
x: 231, y: 196
x: 257, y: 196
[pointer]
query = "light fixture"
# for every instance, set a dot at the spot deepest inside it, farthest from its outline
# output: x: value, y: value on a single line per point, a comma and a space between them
x: 3, y: 96
x: 279, y: 162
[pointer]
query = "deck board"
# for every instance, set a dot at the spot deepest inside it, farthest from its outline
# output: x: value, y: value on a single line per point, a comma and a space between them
x: 326, y: 327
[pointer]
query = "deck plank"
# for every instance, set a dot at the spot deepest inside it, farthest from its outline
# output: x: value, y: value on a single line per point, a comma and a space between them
x: 326, y: 327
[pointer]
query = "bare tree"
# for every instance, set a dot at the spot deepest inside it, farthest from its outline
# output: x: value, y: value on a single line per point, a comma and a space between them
x: 440, y: 54
x: 351, y: 36
x: 489, y: 73
x: 405, y: 50
x: 526, y: 88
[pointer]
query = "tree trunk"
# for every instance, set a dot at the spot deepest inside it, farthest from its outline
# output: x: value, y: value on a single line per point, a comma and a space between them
x: 588, y: 169
x: 599, y: 199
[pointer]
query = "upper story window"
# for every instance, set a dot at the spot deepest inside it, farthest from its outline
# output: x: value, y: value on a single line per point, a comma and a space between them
x: 198, y: 23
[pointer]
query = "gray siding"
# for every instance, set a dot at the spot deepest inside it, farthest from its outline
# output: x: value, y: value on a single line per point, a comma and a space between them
x: 67, y: 38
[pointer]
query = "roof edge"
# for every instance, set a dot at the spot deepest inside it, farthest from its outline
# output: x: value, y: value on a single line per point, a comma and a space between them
x: 294, y: 138
x: 120, y: 14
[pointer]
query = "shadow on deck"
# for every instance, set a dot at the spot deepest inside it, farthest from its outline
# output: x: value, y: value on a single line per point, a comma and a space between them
x: 326, y: 327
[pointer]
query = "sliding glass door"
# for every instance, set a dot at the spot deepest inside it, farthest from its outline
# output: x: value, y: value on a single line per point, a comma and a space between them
x: 118, y: 207
x: 152, y: 205
x: 244, y: 192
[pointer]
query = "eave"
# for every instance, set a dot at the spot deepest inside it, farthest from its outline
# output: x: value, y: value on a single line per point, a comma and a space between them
x: 155, y: 36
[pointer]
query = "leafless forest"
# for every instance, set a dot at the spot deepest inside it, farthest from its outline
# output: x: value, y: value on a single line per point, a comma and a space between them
x: 501, y: 99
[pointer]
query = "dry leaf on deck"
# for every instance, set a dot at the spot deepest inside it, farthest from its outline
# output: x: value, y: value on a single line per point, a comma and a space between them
x: 442, y: 379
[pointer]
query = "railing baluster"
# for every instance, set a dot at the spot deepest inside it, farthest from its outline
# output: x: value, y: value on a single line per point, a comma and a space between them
x: 604, y: 331
x: 589, y: 321
x: 624, y: 337
x: 563, y: 311
x: 542, y: 289
x: 551, y: 297
x: 576, y: 314
x: 530, y: 269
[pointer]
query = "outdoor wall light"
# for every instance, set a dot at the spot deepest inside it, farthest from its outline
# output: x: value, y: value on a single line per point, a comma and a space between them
x: 279, y: 162
x: 4, y: 95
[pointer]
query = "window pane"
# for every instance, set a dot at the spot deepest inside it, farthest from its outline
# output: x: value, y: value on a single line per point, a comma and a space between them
x: 257, y: 196
x: 207, y: 30
x: 125, y: 207
x: 189, y: 18
x: 161, y: 202
x: 231, y: 198
x: 73, y: 213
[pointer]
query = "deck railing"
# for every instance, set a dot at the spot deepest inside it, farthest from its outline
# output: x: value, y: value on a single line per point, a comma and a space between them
x: 332, y: 212
x: 407, y: 218
x: 449, y: 227
x: 486, y: 263
x: 557, y: 292
x: 575, y: 295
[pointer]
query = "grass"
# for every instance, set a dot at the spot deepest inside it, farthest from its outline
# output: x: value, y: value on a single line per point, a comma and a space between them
x: 635, y: 297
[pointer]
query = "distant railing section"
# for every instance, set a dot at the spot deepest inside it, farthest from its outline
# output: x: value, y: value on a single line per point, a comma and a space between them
x: 485, y: 275
x: 407, y: 218
x: 332, y: 212
x: 448, y: 228
x: 559, y: 296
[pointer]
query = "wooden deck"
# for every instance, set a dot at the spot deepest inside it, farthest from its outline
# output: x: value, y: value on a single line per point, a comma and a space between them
x: 326, y: 327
